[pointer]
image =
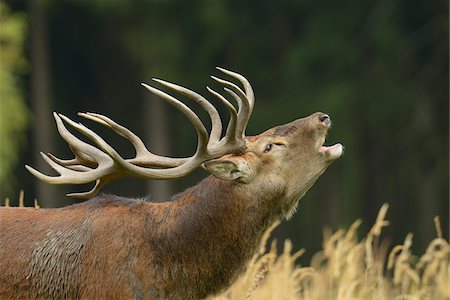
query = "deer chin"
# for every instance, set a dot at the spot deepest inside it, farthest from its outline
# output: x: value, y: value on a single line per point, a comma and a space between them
x: 332, y: 152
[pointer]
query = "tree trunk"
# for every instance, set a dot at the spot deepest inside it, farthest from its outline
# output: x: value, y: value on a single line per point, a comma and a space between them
x: 157, y: 140
x: 41, y: 103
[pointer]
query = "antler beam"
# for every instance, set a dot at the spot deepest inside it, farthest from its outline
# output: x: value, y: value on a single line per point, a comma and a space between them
x: 102, y: 164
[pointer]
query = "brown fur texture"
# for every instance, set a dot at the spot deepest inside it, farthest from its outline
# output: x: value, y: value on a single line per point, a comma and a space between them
x: 188, y: 248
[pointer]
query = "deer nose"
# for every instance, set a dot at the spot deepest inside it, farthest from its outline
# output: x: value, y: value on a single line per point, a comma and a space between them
x: 325, y: 119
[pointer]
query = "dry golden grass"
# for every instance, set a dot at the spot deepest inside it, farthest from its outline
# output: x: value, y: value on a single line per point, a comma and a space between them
x: 348, y: 269
x: 21, y: 201
x: 345, y: 269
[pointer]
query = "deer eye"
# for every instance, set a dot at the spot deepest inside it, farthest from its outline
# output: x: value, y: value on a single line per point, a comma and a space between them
x: 268, y: 148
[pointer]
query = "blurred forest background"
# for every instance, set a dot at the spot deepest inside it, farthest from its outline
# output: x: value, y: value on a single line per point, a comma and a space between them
x: 379, y: 68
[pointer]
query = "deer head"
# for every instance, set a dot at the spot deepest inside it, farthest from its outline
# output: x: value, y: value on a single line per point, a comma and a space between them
x: 286, y: 159
x: 291, y: 156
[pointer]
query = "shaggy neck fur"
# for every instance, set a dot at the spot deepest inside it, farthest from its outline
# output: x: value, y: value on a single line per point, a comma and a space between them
x: 214, y: 229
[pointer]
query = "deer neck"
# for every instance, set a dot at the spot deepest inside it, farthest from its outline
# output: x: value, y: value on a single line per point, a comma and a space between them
x: 216, y: 229
x: 226, y: 209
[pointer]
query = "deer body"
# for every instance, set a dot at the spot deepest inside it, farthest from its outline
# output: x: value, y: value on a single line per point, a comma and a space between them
x: 188, y: 248
x: 111, y: 247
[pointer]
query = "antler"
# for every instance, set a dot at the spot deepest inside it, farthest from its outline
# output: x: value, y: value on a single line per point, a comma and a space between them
x: 104, y: 164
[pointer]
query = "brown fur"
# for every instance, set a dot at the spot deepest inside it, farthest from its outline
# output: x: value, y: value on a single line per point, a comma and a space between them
x: 193, y: 246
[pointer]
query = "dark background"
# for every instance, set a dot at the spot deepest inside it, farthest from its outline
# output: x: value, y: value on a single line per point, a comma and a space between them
x: 379, y: 68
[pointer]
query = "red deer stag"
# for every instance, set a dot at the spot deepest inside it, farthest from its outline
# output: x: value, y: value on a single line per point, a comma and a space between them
x: 188, y: 248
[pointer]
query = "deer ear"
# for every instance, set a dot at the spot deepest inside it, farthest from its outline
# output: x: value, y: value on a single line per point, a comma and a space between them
x: 226, y: 169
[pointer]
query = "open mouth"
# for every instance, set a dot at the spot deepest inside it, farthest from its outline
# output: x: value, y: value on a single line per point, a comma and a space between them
x: 333, y: 152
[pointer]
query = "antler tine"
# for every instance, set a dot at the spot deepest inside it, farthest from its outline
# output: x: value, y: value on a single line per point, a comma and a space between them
x: 44, y: 177
x: 216, y: 123
x: 76, y: 145
x: 98, y: 185
x: 112, y: 165
x: 143, y: 155
x: 244, y: 104
x: 67, y: 175
x: 64, y: 162
x: 107, y: 149
x: 70, y: 173
x: 122, y: 166
x: 120, y: 130
x: 231, y: 128
x: 247, y: 87
x: 198, y: 125
x: 73, y: 164
x: 80, y: 159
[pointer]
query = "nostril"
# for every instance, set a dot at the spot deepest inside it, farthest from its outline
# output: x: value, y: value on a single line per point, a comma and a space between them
x: 325, y: 119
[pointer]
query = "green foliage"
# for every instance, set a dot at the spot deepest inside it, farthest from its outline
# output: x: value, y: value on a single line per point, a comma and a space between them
x: 379, y: 68
x: 13, y: 112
